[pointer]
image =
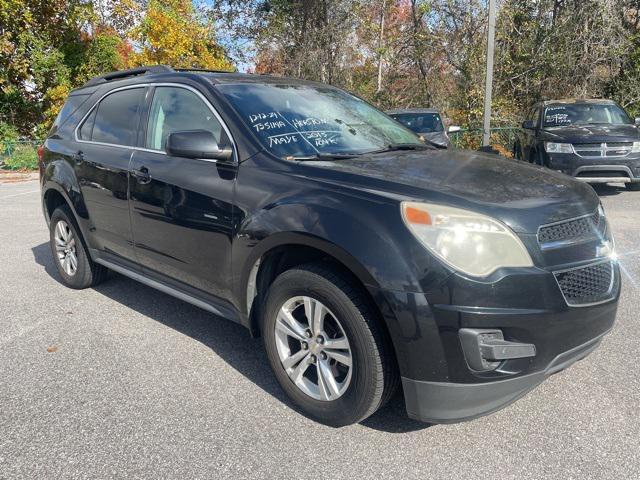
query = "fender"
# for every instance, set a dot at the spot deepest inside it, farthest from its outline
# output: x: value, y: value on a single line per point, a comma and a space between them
x: 336, y: 228
x: 59, y: 175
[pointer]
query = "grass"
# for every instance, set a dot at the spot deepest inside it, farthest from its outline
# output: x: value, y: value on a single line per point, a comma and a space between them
x: 22, y: 157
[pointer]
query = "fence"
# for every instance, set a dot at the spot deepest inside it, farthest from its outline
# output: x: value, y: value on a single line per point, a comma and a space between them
x: 502, y: 139
x: 19, y: 155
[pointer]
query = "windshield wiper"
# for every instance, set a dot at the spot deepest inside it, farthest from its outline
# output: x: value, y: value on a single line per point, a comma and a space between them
x: 324, y: 156
x: 403, y: 146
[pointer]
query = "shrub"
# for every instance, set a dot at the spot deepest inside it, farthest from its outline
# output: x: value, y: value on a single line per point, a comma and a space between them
x: 22, y: 157
x: 8, y: 136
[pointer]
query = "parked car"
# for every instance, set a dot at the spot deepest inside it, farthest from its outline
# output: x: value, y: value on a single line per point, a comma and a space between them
x: 592, y: 140
x: 364, y: 258
x: 427, y: 123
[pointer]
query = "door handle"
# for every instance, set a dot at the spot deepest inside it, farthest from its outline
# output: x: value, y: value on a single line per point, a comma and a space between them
x: 142, y: 175
x: 78, y: 158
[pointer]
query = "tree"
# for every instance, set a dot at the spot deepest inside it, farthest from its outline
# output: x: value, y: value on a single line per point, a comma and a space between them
x: 172, y: 33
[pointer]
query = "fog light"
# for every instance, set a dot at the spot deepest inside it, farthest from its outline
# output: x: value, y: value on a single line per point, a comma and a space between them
x: 484, y: 349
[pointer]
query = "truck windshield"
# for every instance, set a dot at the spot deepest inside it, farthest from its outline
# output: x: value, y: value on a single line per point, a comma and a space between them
x: 420, y: 122
x: 311, y: 121
x: 558, y: 115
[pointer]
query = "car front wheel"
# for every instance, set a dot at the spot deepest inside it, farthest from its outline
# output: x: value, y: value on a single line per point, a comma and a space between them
x: 327, y: 346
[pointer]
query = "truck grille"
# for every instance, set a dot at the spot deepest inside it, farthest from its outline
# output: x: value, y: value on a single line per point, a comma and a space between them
x: 603, y: 150
x: 576, y: 230
x: 586, y: 285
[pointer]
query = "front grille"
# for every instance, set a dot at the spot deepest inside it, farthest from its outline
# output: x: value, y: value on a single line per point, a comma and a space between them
x: 603, y: 150
x: 586, y: 285
x: 574, y: 230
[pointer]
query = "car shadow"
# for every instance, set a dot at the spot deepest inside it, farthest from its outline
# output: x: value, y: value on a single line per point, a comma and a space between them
x: 229, y: 340
x: 607, y: 190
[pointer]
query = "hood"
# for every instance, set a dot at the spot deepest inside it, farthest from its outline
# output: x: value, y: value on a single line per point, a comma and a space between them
x: 521, y: 195
x: 592, y: 133
x: 439, y: 138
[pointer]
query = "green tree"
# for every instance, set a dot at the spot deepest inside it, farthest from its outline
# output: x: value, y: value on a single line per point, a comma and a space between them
x: 171, y: 32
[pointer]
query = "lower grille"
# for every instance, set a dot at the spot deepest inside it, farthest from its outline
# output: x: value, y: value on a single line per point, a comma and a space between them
x: 587, y: 285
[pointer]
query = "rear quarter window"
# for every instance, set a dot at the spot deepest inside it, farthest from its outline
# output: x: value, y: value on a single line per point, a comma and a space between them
x: 73, y: 103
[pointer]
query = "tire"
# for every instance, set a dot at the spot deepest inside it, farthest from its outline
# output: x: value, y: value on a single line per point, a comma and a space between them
x: 372, y: 378
x: 78, y: 271
x: 517, y: 151
x: 633, y: 186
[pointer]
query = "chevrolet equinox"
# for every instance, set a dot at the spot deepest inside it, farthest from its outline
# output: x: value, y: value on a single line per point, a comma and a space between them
x: 365, y: 258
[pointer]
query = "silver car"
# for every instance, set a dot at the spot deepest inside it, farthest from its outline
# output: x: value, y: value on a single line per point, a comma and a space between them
x: 426, y: 122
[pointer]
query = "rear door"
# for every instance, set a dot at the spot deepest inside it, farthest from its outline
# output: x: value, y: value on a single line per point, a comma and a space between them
x: 181, y: 208
x: 106, y: 138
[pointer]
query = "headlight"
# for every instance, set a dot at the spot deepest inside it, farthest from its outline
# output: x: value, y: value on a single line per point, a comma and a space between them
x: 552, y: 147
x: 469, y: 242
x: 636, y: 147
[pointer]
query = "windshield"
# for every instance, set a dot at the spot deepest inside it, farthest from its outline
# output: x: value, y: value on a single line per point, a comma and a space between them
x: 420, y: 122
x: 558, y: 115
x: 309, y: 120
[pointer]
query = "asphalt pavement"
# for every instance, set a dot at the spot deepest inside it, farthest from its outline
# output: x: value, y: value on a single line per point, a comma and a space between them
x: 124, y: 381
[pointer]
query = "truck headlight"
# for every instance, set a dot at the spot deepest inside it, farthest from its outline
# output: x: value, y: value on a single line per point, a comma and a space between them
x: 636, y: 147
x: 552, y: 147
x: 468, y: 242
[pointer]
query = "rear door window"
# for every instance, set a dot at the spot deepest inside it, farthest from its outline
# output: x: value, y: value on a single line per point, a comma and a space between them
x: 115, y: 119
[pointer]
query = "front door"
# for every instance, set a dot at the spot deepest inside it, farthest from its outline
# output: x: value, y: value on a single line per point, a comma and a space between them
x: 181, y: 209
x: 105, y: 141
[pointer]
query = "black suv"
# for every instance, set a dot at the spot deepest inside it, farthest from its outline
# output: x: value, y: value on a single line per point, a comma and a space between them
x: 363, y: 257
x: 592, y: 140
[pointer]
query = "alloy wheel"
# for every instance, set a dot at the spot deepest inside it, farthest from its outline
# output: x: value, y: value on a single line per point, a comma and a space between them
x: 313, y: 348
x: 66, y: 248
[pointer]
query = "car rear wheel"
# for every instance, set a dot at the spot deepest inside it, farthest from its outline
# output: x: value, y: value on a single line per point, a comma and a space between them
x: 70, y: 253
x: 326, y: 346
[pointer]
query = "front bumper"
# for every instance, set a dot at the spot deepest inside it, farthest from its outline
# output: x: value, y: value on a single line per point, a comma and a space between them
x: 597, y: 169
x: 527, y: 307
x: 441, y: 402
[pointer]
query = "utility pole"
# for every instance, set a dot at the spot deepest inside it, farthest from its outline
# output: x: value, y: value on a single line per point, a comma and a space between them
x: 380, y: 44
x: 486, y: 129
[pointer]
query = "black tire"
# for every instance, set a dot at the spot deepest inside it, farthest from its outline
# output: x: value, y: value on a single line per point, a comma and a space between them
x: 633, y: 186
x: 517, y: 151
x: 87, y: 272
x: 374, y: 376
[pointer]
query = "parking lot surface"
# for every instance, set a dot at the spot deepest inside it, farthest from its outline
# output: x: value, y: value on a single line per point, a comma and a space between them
x: 124, y: 381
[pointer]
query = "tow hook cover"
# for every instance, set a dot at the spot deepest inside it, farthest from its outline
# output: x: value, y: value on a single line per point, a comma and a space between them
x: 484, y: 349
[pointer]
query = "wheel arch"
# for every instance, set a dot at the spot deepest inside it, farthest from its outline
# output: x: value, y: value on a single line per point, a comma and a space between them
x: 283, y: 251
x: 61, y: 184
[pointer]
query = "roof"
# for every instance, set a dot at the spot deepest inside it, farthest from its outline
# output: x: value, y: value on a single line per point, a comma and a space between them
x: 595, y: 101
x: 159, y: 72
x: 412, y: 110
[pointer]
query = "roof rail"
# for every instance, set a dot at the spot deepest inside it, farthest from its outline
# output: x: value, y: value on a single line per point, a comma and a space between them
x: 201, y: 70
x: 129, y: 73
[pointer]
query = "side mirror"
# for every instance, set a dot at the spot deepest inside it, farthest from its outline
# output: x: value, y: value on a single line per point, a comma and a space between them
x: 453, y: 129
x: 528, y: 125
x: 196, y: 144
x: 637, y: 120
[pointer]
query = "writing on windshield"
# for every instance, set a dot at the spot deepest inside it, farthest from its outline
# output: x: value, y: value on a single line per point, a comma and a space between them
x: 306, y: 120
x: 584, y: 114
x: 282, y: 130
